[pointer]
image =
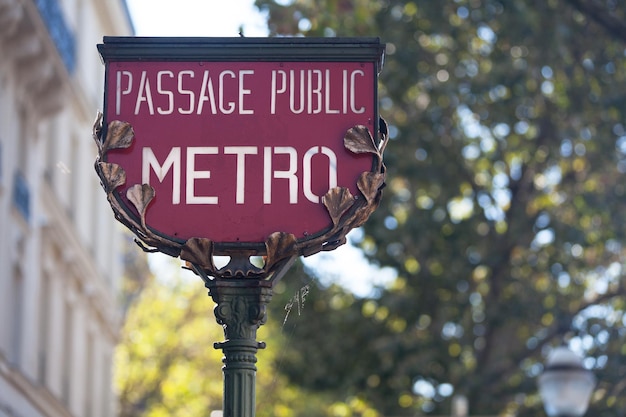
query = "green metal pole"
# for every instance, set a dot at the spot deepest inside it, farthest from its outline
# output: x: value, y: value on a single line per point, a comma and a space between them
x: 241, y: 309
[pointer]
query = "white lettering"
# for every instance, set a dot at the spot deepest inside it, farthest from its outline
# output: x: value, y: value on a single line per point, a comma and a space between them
x: 169, y: 94
x: 241, y: 152
x: 231, y: 105
x: 229, y: 92
x: 315, y: 91
x: 144, y: 88
x: 267, y: 175
x: 290, y: 174
x: 276, y: 90
x: 118, y: 90
x: 193, y: 175
x: 286, y: 156
x: 307, y: 171
x: 353, y: 90
x: 192, y: 96
x: 344, y: 95
x: 327, y: 101
x: 172, y: 161
x: 207, y: 87
x: 292, y: 92
x: 244, y: 92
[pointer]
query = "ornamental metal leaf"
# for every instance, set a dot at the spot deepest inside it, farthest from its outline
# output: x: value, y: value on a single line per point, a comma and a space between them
x: 112, y: 175
x: 97, y: 131
x: 384, y: 135
x: 140, y: 196
x: 337, y: 201
x: 370, y: 183
x: 279, y: 246
x: 120, y: 135
x: 358, y: 139
x: 198, y: 251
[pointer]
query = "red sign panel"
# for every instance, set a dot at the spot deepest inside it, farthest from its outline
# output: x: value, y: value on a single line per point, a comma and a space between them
x: 237, y: 150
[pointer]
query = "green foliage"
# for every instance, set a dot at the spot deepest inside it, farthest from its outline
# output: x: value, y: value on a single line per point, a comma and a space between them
x: 503, y: 213
x: 165, y: 363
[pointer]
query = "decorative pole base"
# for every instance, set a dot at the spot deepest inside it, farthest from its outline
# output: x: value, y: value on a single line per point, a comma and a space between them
x: 241, y: 309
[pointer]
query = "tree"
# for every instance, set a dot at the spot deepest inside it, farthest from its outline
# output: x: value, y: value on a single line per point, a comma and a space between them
x: 503, y: 213
x: 165, y: 364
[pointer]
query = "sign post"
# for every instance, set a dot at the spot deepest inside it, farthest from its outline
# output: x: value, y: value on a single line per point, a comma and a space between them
x: 241, y: 147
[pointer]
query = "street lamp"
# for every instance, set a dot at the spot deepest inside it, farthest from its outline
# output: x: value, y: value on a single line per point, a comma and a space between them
x: 565, y: 385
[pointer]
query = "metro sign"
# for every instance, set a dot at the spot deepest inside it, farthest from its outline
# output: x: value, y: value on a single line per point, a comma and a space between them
x: 234, y: 139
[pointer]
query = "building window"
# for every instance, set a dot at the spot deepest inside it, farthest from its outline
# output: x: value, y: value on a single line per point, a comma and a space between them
x: 21, y: 195
x: 63, y: 38
x: 21, y: 191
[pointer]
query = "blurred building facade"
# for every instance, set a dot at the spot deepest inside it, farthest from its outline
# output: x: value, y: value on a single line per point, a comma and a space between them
x: 60, y: 247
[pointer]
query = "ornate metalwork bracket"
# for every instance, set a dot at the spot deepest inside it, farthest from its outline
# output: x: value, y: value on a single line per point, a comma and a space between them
x: 346, y: 211
x: 241, y: 310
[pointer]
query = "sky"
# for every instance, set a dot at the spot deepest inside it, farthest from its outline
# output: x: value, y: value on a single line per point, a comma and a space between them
x: 345, y: 265
x: 196, y: 18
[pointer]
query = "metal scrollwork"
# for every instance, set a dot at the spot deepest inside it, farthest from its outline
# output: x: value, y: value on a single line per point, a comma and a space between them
x: 345, y: 210
x: 242, y: 315
x: 241, y: 308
